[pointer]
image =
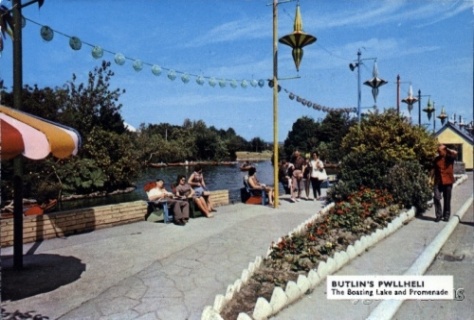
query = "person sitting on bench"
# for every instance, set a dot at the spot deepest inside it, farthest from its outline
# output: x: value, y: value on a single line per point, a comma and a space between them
x: 183, y: 189
x: 255, y: 184
x: 180, y: 207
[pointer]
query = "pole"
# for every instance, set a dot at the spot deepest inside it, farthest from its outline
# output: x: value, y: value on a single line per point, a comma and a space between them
x: 358, y: 86
x: 17, y: 163
x: 419, y: 107
x: 275, y: 102
x: 398, y: 94
x: 434, y: 118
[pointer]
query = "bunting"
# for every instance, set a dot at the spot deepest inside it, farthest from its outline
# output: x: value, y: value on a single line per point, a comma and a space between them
x: 97, y: 52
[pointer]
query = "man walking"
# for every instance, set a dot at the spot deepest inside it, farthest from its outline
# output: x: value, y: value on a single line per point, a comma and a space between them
x: 444, y: 180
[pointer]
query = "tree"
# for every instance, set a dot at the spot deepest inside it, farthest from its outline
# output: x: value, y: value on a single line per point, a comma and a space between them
x: 382, y: 142
x: 303, y: 136
x: 93, y: 104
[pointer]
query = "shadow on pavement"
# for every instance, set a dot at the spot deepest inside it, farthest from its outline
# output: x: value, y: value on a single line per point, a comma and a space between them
x: 41, y: 273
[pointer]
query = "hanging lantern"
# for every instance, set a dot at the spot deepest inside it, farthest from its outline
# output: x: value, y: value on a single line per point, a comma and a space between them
x: 298, y: 39
x: 291, y: 96
x: 156, y: 70
x: 185, y: 78
x: 172, y: 75
x: 46, y: 33
x: 75, y: 43
x: 222, y: 83
x: 429, y: 109
x: 244, y: 84
x: 97, y: 52
x: 375, y: 82
x: 233, y: 84
x: 119, y: 59
x: 442, y: 116
x: 137, y: 65
x: 410, y: 100
x: 253, y: 83
x: 200, y: 80
x: 212, y: 82
x: 261, y: 83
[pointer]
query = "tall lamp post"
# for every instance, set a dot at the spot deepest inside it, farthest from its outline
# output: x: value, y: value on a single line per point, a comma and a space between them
x: 296, y: 40
x: 357, y: 65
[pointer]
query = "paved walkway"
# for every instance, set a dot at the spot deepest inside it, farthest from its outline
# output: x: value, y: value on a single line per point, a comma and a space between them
x: 156, y: 271
x: 395, y: 255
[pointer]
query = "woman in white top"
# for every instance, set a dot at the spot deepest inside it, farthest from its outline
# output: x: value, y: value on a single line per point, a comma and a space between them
x: 180, y: 208
x: 316, y: 167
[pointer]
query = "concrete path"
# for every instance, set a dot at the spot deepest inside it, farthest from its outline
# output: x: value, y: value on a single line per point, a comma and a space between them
x: 395, y: 255
x: 147, y: 270
x: 156, y: 271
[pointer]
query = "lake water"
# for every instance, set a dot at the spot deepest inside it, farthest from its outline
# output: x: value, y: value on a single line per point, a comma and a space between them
x: 216, y: 178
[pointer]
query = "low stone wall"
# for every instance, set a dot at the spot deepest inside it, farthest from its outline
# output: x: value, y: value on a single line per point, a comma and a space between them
x: 65, y: 223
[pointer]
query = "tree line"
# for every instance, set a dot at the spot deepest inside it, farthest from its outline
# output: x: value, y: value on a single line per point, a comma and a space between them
x: 111, y: 157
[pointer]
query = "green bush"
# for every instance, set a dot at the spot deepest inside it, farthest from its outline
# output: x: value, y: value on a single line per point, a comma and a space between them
x: 409, y: 185
x: 360, y: 170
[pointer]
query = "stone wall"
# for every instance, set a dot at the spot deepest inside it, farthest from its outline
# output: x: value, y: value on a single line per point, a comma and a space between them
x: 65, y: 223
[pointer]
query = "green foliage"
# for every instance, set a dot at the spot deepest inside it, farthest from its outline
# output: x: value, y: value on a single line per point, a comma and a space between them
x: 373, y: 148
x: 80, y: 176
x: 93, y: 104
x: 393, y: 137
x: 409, y: 185
x: 113, y: 156
x: 326, y: 136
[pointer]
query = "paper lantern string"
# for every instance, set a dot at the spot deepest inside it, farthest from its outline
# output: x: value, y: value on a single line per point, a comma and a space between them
x: 315, y: 105
x: 97, y: 52
x: 47, y: 34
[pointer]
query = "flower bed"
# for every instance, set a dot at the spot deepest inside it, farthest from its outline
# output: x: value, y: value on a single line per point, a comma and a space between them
x: 269, y: 284
x: 299, y: 261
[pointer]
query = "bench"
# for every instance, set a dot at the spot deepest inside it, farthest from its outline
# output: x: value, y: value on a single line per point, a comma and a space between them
x: 157, y: 211
x: 252, y: 196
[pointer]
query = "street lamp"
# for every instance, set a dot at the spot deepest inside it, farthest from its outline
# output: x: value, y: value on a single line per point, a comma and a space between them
x: 357, y: 65
x: 443, y: 115
x: 375, y: 83
x: 410, y: 100
x: 296, y: 40
x: 430, y: 109
x: 419, y: 106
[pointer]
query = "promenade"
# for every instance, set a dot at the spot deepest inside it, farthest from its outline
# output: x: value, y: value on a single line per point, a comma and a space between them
x: 156, y: 271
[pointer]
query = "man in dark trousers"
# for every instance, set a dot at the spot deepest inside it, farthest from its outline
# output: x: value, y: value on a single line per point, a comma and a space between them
x: 444, y: 180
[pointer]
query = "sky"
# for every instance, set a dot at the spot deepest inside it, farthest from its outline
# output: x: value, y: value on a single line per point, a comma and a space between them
x: 428, y: 43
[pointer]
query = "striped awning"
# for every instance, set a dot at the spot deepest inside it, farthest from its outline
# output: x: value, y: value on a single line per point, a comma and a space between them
x: 34, y: 137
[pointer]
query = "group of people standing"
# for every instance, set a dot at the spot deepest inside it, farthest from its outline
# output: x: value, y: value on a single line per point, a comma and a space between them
x: 192, y: 188
x: 299, y: 173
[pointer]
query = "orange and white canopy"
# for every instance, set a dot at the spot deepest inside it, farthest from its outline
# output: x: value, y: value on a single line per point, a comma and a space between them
x: 34, y: 137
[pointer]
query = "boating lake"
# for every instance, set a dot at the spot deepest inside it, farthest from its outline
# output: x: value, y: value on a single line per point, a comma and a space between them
x: 222, y: 177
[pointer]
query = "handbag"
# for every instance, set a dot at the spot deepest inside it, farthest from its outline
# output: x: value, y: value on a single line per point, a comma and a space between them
x: 321, y: 175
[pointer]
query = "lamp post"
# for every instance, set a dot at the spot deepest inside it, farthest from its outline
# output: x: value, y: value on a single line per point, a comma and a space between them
x: 296, y: 40
x: 357, y: 65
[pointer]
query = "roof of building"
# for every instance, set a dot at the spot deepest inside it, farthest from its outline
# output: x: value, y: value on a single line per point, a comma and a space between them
x: 458, y: 130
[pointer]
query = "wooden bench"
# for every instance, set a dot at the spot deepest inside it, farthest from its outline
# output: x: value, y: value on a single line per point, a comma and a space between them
x: 253, y: 196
